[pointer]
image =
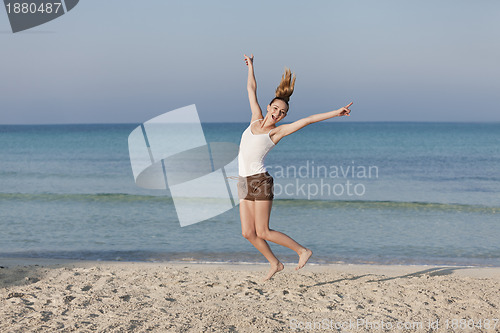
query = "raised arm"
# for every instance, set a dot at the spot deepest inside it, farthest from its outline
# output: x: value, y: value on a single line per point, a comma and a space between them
x: 252, y: 90
x: 287, y: 129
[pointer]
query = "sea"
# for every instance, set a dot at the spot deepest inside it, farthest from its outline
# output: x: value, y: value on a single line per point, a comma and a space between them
x: 353, y: 192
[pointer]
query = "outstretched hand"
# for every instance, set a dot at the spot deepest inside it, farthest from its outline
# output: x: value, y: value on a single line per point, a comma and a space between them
x: 249, y: 60
x: 345, y: 110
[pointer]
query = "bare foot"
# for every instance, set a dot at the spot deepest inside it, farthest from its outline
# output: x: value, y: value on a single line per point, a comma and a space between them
x: 303, y: 258
x: 274, y: 269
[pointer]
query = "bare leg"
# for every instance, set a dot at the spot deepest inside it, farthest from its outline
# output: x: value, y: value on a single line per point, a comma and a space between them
x: 247, y: 216
x: 262, y: 215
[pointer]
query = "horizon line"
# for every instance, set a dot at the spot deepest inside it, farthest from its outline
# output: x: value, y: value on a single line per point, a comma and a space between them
x: 244, y: 122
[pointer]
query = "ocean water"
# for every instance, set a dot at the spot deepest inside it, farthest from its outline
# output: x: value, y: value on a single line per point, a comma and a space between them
x: 391, y: 193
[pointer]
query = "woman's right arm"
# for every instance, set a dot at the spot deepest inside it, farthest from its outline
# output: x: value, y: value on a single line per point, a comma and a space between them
x: 252, y: 90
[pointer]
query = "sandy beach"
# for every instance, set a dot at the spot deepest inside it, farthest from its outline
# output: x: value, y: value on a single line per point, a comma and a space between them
x: 74, y: 296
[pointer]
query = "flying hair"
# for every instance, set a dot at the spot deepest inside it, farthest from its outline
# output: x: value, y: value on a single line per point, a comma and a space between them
x: 285, y: 88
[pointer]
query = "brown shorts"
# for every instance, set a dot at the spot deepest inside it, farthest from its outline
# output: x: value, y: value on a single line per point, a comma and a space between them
x: 256, y: 187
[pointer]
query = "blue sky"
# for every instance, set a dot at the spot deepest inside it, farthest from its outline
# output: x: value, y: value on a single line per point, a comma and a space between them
x: 122, y: 61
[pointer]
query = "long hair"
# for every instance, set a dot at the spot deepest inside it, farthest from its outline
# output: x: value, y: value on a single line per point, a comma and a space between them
x: 285, y: 88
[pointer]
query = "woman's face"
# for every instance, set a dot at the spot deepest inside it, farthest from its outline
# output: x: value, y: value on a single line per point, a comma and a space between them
x: 277, y: 111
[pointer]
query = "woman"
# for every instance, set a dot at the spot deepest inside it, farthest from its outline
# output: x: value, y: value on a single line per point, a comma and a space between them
x: 255, y: 185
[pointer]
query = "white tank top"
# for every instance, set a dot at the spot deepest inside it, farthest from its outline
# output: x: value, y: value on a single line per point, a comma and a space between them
x: 253, y: 151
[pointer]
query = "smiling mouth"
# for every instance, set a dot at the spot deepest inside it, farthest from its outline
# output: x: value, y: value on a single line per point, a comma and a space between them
x: 274, y: 118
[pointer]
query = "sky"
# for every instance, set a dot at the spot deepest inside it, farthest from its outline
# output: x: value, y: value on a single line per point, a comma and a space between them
x: 123, y: 61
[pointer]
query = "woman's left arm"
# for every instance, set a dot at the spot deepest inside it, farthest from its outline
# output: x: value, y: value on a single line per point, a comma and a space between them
x: 288, y: 129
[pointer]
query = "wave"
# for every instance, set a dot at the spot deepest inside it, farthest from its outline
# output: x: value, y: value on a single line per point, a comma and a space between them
x: 250, y: 258
x: 392, y: 205
x: 314, y: 204
x: 89, y: 197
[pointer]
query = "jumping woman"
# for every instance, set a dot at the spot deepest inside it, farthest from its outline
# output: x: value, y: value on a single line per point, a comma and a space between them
x: 255, y: 185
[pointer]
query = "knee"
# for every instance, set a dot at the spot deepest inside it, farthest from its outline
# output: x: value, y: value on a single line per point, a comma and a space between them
x: 249, y: 234
x: 264, y: 234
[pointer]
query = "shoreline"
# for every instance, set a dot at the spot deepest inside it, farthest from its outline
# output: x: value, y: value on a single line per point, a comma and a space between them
x: 193, y: 258
x: 350, y: 268
x: 376, y: 268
